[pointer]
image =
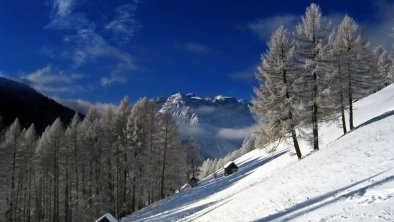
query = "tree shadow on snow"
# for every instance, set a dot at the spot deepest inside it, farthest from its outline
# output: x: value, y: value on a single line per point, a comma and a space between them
x: 377, y: 118
x: 306, y: 206
x: 176, y: 206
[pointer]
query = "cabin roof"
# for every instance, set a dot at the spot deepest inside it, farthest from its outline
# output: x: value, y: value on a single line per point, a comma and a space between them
x: 109, y: 218
x: 229, y: 164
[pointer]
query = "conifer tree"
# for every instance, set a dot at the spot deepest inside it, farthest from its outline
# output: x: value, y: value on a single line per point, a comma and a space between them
x: 311, y: 43
x: 356, y: 61
x: 274, y: 106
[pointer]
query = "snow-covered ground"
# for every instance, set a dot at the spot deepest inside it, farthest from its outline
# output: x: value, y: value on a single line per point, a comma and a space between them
x: 350, y: 179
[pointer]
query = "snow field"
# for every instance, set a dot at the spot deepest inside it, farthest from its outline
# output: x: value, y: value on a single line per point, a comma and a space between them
x: 350, y: 179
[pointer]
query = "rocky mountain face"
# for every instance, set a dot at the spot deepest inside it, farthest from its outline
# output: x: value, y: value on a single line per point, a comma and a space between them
x: 219, y: 124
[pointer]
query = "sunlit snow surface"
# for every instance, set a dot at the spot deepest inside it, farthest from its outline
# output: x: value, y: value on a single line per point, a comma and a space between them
x: 349, y: 179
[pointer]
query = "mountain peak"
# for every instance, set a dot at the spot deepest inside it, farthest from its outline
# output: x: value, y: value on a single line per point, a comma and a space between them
x: 209, y: 120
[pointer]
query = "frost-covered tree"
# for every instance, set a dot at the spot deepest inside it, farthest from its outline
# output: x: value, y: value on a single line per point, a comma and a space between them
x: 337, y: 90
x: 311, y: 43
x: 120, y: 121
x: 136, y: 154
x: 10, y: 163
x: 356, y: 61
x: 50, y: 145
x: 170, y: 156
x: 193, y: 157
x: 274, y: 106
x: 29, y: 149
x: 107, y: 138
x: 73, y: 134
x: 384, y: 62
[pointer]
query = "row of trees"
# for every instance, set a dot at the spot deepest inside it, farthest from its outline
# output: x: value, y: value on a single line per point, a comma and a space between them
x: 117, y: 162
x: 314, y: 76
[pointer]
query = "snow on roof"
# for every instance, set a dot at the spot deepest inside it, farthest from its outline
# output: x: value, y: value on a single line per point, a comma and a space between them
x: 108, y: 216
x: 228, y: 164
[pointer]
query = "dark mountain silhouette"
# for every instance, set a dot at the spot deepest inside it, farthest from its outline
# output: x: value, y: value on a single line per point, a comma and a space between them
x: 22, y: 101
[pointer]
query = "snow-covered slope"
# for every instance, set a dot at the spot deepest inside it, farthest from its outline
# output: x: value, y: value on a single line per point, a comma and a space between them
x: 219, y: 123
x: 350, y: 179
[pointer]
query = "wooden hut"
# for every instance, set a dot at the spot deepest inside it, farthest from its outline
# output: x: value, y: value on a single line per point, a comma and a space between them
x: 107, y: 218
x: 230, y: 168
x: 193, y: 181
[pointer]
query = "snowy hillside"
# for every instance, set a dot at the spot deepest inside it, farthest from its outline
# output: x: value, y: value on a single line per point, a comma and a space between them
x: 350, y: 179
x: 219, y: 123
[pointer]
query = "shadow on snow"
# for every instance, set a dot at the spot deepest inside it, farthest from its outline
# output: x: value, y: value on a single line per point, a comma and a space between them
x: 176, y: 207
x: 306, y: 206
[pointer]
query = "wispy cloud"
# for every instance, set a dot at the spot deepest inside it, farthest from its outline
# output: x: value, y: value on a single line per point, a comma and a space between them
x: 48, y: 75
x: 63, y: 8
x: 229, y: 133
x: 195, y: 47
x: 84, y: 43
x: 377, y: 31
x: 82, y: 106
x: 206, y: 109
x: 264, y: 27
x: 2, y: 74
x: 49, y: 80
x: 112, y: 80
x: 124, y: 25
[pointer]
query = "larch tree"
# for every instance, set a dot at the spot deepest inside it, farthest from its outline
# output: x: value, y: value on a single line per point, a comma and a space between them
x: 120, y: 121
x: 193, y: 157
x: 384, y: 62
x: 274, y: 106
x: 29, y: 147
x: 311, y: 42
x: 11, y: 151
x: 356, y: 64
x: 107, y: 138
x: 50, y: 145
x: 170, y: 156
x: 137, y: 154
x: 335, y: 98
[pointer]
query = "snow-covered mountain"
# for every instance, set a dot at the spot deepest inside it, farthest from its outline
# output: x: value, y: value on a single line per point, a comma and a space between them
x: 351, y: 178
x: 218, y: 123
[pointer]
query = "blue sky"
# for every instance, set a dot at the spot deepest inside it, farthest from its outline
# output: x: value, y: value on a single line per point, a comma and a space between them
x: 100, y: 50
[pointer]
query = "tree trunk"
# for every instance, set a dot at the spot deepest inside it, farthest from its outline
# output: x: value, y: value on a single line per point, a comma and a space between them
x: 12, y: 199
x: 163, y: 164
x: 76, y: 162
x: 293, y: 132
x: 350, y: 99
x: 56, y: 216
x: 66, y: 194
x: 343, y: 114
x: 315, y: 126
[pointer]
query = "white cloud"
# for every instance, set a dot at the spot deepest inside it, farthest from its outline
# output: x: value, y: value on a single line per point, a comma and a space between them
x: 85, y: 44
x: 123, y: 25
x: 377, y: 31
x: 63, y: 8
x: 206, y: 109
x: 111, y: 80
x: 266, y: 26
x: 48, y: 75
x: 82, y: 106
x: 48, y: 80
x: 230, y: 133
x: 2, y: 74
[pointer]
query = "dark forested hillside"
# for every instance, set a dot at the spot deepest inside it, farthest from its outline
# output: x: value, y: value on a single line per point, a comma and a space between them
x: 22, y: 101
